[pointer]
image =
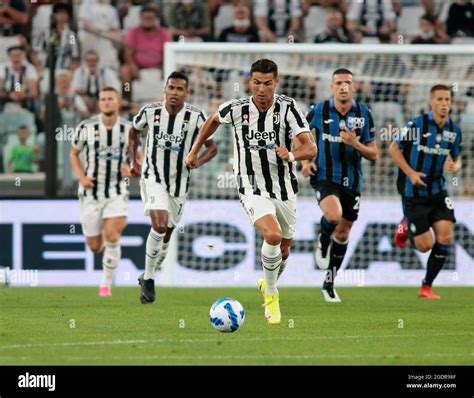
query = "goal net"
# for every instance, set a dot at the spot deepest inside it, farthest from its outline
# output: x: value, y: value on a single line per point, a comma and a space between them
x: 394, y: 80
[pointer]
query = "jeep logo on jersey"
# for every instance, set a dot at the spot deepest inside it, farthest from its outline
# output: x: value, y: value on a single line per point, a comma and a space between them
x: 261, y: 135
x: 174, y: 139
x: 355, y: 122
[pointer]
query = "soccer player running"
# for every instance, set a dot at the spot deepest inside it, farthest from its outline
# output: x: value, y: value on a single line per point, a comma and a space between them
x: 270, y: 135
x: 173, y: 126
x: 103, y: 191
x: 345, y: 133
x: 421, y: 153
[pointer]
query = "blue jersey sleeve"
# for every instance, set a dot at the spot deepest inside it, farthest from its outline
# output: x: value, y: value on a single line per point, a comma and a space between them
x: 368, y: 133
x: 456, y: 149
x: 310, y: 116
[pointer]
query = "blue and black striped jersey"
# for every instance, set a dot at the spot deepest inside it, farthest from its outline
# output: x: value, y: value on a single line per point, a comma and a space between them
x: 337, y: 162
x: 425, y: 146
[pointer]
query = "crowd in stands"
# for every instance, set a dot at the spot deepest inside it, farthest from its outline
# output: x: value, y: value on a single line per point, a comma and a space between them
x: 121, y: 44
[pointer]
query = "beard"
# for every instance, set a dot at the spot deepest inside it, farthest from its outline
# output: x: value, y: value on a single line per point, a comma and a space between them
x: 109, y: 113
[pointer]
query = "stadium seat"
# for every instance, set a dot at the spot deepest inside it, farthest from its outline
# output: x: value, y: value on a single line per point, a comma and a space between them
x: 223, y: 19
x: 5, y: 43
x: 314, y: 22
x: 408, y: 22
x: 149, y: 87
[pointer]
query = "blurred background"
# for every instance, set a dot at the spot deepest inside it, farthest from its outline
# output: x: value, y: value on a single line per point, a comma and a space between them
x: 97, y: 43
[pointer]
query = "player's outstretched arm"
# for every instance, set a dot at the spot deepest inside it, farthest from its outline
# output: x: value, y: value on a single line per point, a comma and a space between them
x: 134, y: 141
x: 207, y: 129
x: 400, y: 161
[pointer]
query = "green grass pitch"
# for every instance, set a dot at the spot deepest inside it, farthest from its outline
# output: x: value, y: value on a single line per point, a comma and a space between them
x: 371, y: 326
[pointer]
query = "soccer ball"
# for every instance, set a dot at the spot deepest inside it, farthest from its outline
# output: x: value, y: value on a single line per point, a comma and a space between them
x: 227, y: 314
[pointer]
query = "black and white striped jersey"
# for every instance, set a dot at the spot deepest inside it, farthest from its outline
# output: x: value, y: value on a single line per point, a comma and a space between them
x: 257, y: 168
x: 169, y: 139
x: 105, y: 151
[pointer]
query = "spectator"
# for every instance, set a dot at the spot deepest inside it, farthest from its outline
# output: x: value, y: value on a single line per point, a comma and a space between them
x: 189, y: 19
x: 13, y: 17
x: 100, y: 18
x: 68, y: 100
x: 371, y: 18
x: 241, y: 31
x: 461, y: 19
x: 144, y: 47
x: 277, y: 20
x: 67, y: 49
x: 90, y: 78
x: 335, y: 32
x: 18, y: 80
x: 22, y: 155
x: 428, y: 33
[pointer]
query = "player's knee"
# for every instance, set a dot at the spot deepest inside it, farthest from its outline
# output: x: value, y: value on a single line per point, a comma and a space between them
x: 445, y: 239
x: 112, y: 237
x: 159, y: 225
x: 334, y: 217
x: 95, y: 246
x: 424, y: 246
x: 341, y: 236
x: 272, y: 237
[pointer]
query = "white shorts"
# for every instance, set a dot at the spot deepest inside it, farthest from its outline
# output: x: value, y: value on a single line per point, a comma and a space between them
x: 93, y: 212
x: 156, y: 197
x: 284, y: 211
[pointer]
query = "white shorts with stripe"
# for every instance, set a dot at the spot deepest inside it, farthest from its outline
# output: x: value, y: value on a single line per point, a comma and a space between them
x: 284, y: 211
x: 156, y: 197
x: 93, y: 212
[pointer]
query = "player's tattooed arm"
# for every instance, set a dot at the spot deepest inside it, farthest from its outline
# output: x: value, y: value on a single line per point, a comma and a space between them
x: 134, y: 141
x: 207, y: 129
x: 453, y: 165
x: 414, y: 176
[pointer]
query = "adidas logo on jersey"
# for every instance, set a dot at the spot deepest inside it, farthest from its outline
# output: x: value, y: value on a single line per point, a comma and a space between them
x: 261, y: 135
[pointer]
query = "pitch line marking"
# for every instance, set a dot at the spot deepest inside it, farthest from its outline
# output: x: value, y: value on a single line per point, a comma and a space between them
x: 193, y: 341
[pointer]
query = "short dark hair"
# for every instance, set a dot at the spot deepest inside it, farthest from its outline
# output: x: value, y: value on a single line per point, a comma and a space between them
x: 148, y: 9
x: 110, y: 88
x: 178, y: 75
x: 264, y: 66
x: 437, y: 87
x: 22, y: 127
x: 428, y: 18
x: 342, y: 71
x: 13, y: 48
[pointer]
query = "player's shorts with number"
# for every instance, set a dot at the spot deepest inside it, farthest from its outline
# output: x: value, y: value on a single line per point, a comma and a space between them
x: 424, y: 212
x: 94, y: 211
x: 258, y: 206
x: 349, y: 199
x: 156, y: 197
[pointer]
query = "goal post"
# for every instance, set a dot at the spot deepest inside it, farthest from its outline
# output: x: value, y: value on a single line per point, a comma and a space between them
x: 394, y: 80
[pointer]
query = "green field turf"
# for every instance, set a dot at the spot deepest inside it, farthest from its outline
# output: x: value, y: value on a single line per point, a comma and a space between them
x: 363, y: 329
